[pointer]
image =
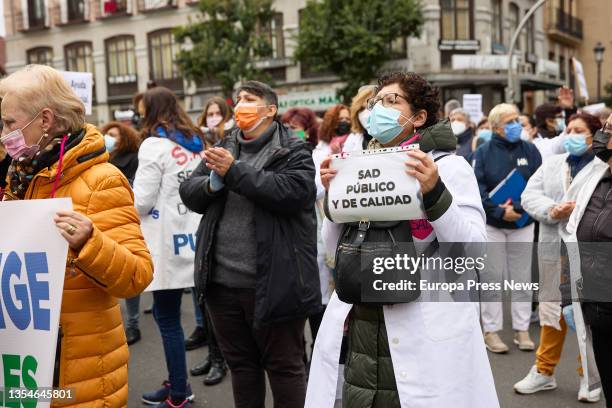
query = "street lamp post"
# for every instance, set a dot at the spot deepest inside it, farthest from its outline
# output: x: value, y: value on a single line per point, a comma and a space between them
x: 599, y: 55
x: 511, y: 91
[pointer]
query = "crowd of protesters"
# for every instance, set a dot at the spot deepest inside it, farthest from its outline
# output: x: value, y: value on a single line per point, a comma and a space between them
x: 232, y: 208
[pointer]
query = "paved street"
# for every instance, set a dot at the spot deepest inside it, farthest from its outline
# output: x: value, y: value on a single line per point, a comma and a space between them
x: 148, y: 370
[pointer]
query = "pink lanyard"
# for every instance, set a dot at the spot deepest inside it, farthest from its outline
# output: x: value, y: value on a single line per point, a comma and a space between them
x: 412, y: 140
x: 59, y: 166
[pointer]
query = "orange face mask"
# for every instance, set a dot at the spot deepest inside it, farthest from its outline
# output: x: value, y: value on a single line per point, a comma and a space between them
x: 247, y: 117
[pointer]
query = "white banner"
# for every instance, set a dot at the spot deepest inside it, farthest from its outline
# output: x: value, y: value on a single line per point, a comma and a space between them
x: 483, y: 62
x: 472, y: 104
x: 581, y: 79
x: 373, y: 186
x: 82, y: 85
x: 594, y: 109
x: 32, y: 267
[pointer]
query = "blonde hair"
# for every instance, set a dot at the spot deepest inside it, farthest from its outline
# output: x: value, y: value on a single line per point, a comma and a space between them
x: 495, y: 116
x: 357, y: 106
x: 36, y: 87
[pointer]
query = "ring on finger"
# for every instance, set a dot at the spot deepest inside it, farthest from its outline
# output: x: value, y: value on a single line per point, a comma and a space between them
x: 71, y: 229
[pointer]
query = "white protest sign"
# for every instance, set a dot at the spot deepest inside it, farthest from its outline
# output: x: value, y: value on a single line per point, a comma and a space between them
x: 82, y: 85
x: 32, y: 268
x: 472, y: 104
x: 373, y: 186
x: 594, y: 109
x: 581, y: 79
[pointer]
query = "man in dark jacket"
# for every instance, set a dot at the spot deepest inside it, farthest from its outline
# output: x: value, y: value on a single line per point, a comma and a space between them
x: 508, y: 227
x: 256, y: 251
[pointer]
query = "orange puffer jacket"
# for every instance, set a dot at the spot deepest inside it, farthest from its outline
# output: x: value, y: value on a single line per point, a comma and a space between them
x: 114, y: 263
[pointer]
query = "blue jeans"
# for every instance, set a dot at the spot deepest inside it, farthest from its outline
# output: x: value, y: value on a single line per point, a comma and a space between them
x: 132, y: 307
x: 198, y: 313
x: 167, y: 314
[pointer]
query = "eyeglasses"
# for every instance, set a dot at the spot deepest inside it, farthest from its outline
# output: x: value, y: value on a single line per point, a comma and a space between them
x: 388, y: 100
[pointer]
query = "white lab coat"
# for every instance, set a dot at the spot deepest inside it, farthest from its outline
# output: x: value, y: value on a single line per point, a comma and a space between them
x: 354, y: 142
x: 545, y: 189
x: 568, y: 235
x: 168, y: 226
x: 318, y: 155
x: 325, y: 278
x: 437, y: 348
x: 550, y: 147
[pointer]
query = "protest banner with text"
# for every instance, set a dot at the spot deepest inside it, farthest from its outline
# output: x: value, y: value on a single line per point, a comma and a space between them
x: 373, y: 186
x: 32, y: 267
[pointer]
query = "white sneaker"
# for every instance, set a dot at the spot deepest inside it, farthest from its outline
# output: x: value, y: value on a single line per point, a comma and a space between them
x: 584, y: 395
x: 535, y: 382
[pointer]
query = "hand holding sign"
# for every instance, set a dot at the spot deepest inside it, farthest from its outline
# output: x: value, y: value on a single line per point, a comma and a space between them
x: 327, y: 173
x: 374, y: 185
x: 74, y: 227
x: 424, y: 169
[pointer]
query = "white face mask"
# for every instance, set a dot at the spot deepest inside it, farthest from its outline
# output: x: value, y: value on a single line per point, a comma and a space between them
x: 363, y: 116
x: 525, y: 135
x: 458, y: 127
x: 213, y: 121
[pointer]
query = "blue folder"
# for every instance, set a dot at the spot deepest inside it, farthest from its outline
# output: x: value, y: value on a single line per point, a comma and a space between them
x: 511, y: 188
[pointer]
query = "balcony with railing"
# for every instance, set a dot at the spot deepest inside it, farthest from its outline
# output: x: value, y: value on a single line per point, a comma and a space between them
x: 76, y: 11
x: 147, y: 6
x: 115, y: 8
x: 565, y: 27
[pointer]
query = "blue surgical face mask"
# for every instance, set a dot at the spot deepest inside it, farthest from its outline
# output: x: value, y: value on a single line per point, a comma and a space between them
x: 383, y: 123
x: 485, y: 134
x: 513, y: 131
x: 110, y: 143
x: 576, y: 144
x: 560, y: 125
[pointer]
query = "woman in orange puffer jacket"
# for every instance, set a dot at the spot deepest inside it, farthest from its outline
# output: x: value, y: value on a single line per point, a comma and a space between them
x: 57, y: 155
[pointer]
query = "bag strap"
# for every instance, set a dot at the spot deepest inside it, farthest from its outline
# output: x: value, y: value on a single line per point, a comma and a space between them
x: 442, y: 156
x: 362, y: 231
x: 431, y: 248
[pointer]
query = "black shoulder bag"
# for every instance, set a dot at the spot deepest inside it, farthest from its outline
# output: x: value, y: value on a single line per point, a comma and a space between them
x: 362, y: 250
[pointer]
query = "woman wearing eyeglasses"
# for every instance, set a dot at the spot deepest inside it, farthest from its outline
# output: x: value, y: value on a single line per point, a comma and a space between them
x: 424, y: 353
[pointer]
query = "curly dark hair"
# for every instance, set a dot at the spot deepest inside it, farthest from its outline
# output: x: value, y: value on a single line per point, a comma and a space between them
x: 419, y: 92
x: 327, y: 130
x: 130, y: 139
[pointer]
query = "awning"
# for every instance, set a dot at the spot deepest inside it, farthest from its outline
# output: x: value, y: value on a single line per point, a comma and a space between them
x: 464, y: 80
x: 535, y: 83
